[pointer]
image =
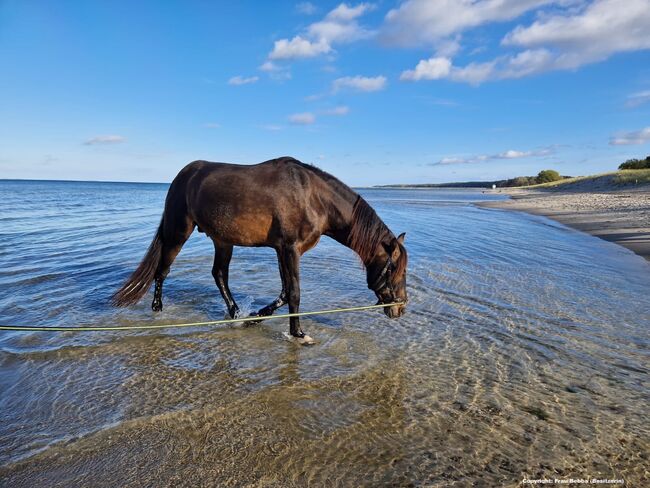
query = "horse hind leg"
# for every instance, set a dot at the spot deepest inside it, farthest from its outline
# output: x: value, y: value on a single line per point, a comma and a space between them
x: 280, y: 301
x: 176, y: 231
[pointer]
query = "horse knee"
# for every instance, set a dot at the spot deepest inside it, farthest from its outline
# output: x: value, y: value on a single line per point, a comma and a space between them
x: 294, y: 296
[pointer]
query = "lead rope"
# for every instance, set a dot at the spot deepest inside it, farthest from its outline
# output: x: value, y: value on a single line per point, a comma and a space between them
x: 254, y: 318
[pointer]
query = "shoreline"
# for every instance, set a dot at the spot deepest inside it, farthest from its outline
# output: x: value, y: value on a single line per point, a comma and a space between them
x: 619, y: 216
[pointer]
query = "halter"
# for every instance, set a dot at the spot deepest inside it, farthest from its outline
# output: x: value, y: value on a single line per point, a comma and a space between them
x: 384, y: 281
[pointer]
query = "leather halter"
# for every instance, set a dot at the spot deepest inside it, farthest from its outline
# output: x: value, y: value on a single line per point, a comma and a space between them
x: 384, y: 280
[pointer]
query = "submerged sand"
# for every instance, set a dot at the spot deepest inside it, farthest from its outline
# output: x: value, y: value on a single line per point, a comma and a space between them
x: 618, y: 215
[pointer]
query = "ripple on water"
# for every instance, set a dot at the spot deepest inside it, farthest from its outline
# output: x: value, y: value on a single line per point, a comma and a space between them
x: 503, y: 367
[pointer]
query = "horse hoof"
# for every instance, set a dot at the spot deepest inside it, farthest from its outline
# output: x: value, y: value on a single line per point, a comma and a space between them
x: 259, y: 318
x: 306, y: 340
x: 303, y: 341
x: 156, y: 307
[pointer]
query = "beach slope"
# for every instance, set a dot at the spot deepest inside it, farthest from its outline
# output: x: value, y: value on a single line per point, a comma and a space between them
x: 610, y: 207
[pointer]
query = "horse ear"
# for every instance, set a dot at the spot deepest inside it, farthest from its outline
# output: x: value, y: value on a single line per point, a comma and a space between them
x: 392, y: 249
x: 401, y: 237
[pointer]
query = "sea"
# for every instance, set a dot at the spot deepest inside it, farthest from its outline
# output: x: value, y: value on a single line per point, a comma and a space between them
x: 523, y: 354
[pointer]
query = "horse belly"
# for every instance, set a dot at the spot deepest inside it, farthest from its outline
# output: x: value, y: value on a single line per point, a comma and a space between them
x: 240, y: 229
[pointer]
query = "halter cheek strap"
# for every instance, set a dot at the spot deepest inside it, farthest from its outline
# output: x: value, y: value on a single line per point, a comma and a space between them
x: 384, y: 280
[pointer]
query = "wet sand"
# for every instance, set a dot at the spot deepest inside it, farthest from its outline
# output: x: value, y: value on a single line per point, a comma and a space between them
x: 621, y: 216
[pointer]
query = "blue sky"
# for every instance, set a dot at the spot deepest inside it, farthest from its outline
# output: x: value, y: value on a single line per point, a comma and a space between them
x: 384, y: 92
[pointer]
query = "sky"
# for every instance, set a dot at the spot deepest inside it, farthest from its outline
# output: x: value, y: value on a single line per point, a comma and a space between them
x: 416, y: 91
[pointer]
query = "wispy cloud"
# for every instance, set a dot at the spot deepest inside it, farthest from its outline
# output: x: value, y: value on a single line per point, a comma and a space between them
x: 108, y: 139
x: 211, y: 125
x: 631, y: 138
x: 510, y: 154
x: 240, y: 80
x: 306, y: 8
x: 360, y: 83
x: 303, y: 118
x: 275, y: 71
x: 340, y: 110
x: 637, y: 99
x: 314, y: 97
x: 272, y: 127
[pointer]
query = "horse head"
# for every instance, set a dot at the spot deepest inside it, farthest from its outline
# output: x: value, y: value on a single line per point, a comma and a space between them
x: 386, y: 274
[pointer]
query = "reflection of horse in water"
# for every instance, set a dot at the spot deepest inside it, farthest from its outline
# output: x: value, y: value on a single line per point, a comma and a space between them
x: 283, y: 204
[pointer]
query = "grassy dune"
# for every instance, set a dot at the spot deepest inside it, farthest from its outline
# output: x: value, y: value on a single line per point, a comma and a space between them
x: 605, y: 181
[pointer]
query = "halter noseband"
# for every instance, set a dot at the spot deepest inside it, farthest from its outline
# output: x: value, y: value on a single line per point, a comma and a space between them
x: 384, y: 280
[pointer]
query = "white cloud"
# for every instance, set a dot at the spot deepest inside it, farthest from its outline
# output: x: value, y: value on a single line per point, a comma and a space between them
x: 339, y: 26
x: 269, y: 66
x: 426, y: 22
x: 340, y: 110
x: 303, y: 118
x: 360, y: 83
x: 603, y: 28
x: 566, y: 39
x: 638, y: 98
x: 306, y: 8
x: 344, y: 13
x: 298, y: 47
x: 629, y: 138
x: 428, y: 69
x: 110, y: 139
x: 510, y: 154
x: 240, y: 80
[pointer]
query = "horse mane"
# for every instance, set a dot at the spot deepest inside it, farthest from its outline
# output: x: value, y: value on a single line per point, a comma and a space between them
x: 366, y: 230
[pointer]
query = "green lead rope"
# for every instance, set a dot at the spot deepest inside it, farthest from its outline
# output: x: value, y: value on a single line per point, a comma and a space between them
x: 29, y: 328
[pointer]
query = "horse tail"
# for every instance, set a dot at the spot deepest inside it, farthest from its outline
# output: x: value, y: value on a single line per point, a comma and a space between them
x: 140, y: 281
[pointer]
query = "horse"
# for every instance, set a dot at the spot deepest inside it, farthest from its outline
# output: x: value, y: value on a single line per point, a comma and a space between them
x: 283, y: 204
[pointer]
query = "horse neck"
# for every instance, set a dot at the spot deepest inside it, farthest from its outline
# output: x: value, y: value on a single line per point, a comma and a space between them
x: 353, y: 223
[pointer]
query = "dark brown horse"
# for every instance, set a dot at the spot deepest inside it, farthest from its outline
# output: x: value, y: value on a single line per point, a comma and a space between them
x: 283, y: 204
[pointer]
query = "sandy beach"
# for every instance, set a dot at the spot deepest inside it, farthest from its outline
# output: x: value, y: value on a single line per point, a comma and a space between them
x: 620, y: 215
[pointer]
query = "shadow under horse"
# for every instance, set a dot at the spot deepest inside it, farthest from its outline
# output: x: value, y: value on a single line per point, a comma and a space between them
x: 282, y: 203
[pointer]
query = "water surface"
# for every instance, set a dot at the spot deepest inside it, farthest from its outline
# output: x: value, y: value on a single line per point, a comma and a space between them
x: 524, y: 353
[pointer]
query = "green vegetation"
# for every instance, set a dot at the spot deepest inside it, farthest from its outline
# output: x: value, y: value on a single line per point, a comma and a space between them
x: 636, y: 164
x: 631, y: 172
x: 548, y: 175
x: 545, y: 176
x: 635, y: 177
x: 603, y: 181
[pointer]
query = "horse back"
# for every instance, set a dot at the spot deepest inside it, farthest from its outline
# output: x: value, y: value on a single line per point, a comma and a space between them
x: 265, y: 204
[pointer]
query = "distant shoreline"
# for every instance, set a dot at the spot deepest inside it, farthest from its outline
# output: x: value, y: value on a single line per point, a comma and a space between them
x: 85, y: 181
x: 621, y: 216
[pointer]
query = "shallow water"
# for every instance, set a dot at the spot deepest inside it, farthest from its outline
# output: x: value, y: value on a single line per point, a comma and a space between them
x: 524, y: 353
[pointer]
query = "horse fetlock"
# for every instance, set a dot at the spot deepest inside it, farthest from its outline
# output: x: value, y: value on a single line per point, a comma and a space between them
x: 157, y: 305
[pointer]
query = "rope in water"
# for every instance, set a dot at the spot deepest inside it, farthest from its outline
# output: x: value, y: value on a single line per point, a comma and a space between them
x: 29, y: 328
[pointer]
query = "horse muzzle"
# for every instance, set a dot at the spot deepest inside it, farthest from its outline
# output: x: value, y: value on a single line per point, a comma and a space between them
x: 394, y: 311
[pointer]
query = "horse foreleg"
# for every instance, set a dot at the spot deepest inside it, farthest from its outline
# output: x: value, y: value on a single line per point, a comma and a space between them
x: 222, y: 256
x: 291, y: 265
x: 291, y: 269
